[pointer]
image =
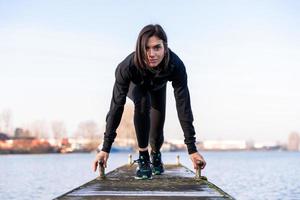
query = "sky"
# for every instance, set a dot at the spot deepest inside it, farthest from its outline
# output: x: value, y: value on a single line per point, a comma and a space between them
x: 57, y: 62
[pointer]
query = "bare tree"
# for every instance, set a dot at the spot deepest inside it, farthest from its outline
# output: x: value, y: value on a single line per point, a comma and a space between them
x: 88, y: 130
x: 39, y: 129
x: 58, y: 129
x: 6, y: 121
x: 293, y: 141
x: 126, y: 130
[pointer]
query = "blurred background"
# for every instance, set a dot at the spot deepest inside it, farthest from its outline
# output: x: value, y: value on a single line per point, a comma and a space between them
x: 242, y: 57
x: 57, y: 63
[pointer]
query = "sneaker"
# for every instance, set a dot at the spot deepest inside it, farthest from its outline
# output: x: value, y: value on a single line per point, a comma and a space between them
x: 143, y: 170
x: 157, y: 165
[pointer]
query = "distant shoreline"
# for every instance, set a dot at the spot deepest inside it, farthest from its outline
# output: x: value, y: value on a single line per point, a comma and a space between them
x: 87, y: 152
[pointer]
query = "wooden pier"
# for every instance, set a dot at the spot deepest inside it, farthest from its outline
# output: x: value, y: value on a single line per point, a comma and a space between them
x: 177, y: 182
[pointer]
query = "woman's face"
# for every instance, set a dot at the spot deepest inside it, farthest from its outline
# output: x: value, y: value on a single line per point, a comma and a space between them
x: 155, y: 51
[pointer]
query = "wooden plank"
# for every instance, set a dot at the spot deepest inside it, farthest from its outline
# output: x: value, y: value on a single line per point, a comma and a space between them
x: 177, y: 182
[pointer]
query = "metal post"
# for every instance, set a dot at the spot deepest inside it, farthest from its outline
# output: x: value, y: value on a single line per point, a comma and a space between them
x: 101, y: 169
x: 198, y: 172
x: 129, y: 159
x: 178, y: 159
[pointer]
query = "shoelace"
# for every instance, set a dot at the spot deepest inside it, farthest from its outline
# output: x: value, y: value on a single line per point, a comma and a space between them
x: 156, y: 160
x: 139, y: 161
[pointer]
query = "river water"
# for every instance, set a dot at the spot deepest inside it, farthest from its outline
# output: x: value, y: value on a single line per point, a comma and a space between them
x: 244, y: 175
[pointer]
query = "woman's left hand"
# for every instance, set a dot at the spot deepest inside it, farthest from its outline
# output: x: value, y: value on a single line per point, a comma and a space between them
x: 197, y: 160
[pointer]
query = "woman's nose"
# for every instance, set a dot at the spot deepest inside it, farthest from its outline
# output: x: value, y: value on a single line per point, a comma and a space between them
x: 151, y: 53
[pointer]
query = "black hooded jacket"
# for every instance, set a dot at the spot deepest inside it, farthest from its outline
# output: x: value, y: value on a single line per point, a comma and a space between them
x: 127, y: 72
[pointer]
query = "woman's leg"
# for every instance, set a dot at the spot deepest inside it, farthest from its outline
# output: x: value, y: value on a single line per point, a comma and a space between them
x: 157, y: 118
x: 141, y: 100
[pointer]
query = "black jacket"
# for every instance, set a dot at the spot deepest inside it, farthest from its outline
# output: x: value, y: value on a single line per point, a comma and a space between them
x: 127, y: 72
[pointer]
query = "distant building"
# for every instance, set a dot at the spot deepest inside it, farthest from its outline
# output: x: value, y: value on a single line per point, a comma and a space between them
x: 25, y: 145
x: 293, y: 142
x: 265, y: 145
x: 224, y: 145
x: 21, y: 133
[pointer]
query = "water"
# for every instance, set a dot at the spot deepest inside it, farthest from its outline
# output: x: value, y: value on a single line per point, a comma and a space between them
x: 244, y: 175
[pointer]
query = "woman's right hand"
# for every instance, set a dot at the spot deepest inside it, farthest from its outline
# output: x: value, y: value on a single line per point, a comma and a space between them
x: 101, y: 156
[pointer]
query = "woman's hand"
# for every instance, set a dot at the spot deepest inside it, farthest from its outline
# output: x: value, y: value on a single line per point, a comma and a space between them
x: 197, y: 160
x: 101, y: 156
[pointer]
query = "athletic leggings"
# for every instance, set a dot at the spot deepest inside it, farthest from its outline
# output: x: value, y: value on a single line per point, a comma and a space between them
x: 149, y: 115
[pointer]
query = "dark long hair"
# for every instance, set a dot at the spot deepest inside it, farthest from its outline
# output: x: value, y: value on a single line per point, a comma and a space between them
x: 140, y: 50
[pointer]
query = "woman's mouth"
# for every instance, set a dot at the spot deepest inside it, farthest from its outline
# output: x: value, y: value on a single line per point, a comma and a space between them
x: 152, y: 61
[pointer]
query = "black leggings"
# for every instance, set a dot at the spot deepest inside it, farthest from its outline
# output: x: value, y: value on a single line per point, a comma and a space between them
x: 149, y: 115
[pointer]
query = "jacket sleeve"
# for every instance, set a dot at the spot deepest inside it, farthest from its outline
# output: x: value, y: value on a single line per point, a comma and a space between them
x: 118, y: 100
x: 183, y: 105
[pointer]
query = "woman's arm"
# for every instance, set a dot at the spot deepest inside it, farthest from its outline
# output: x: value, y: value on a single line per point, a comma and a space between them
x: 185, y: 115
x: 118, y: 100
x: 183, y: 105
x: 113, y: 118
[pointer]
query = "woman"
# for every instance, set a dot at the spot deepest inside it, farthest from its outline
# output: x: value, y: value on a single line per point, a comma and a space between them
x: 143, y: 77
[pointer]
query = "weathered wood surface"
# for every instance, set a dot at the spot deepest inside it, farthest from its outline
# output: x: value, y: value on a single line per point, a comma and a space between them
x: 177, y: 182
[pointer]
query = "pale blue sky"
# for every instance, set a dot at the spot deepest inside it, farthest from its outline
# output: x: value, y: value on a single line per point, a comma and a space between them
x: 57, y: 61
